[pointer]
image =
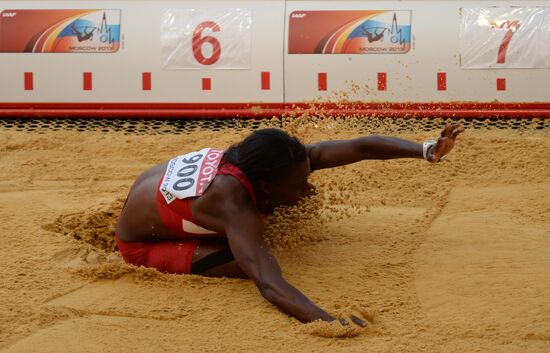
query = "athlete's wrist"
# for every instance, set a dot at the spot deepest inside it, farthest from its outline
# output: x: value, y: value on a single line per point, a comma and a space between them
x: 428, y: 147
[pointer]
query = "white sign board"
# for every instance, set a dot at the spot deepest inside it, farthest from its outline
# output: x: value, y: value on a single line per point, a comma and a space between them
x: 505, y: 37
x: 206, y: 38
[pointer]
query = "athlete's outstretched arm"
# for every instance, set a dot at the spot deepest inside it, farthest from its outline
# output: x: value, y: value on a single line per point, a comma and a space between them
x: 329, y: 154
x: 244, y: 228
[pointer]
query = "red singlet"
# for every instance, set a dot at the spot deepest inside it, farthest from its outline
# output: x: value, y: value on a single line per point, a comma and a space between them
x: 176, y: 256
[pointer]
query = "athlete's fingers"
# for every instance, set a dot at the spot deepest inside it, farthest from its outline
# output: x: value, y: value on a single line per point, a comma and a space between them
x: 453, y: 127
x: 457, y: 131
x: 446, y: 130
x: 358, y: 321
x: 452, y: 130
x: 343, y: 322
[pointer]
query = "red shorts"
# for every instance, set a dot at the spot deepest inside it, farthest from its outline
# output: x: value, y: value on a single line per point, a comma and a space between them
x: 165, y: 256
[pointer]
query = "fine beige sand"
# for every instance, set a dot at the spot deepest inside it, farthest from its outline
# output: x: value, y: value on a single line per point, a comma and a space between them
x: 453, y: 257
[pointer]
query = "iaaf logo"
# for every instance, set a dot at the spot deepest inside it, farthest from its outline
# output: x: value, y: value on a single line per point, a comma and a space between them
x: 9, y: 14
x: 298, y: 15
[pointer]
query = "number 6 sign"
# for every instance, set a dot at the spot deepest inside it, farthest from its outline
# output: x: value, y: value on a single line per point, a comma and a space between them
x: 206, y: 38
x: 505, y: 38
x: 199, y: 40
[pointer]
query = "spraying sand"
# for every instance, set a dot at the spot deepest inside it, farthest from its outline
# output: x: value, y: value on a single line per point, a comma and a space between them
x: 452, y: 257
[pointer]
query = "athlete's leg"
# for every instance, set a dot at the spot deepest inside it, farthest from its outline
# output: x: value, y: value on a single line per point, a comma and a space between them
x: 207, y: 257
x: 213, y: 258
x: 171, y: 256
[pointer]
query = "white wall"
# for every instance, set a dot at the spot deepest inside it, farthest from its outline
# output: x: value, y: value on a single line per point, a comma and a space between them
x: 411, y: 76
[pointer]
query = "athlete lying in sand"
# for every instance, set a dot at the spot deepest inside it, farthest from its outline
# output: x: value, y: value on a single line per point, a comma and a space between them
x: 202, y: 212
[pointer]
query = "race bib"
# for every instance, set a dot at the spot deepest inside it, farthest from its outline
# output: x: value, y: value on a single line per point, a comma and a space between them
x: 190, y: 174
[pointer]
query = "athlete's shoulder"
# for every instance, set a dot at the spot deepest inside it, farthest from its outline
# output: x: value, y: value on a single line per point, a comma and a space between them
x: 227, y: 198
x: 231, y: 188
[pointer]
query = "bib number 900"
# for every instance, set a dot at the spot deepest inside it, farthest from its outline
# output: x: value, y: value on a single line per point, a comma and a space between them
x: 185, y: 181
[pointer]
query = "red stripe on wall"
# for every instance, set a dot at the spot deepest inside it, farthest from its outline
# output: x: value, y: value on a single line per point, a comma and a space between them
x: 146, y: 81
x: 206, y: 84
x: 87, y: 81
x: 441, y: 81
x: 501, y: 84
x: 382, y: 81
x: 266, y: 80
x: 453, y: 110
x: 322, y: 81
x: 29, y: 81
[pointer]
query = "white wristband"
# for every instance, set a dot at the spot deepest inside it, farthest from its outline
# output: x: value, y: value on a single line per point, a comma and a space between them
x: 426, y: 146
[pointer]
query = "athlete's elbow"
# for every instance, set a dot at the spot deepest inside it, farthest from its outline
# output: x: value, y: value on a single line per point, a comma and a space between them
x: 269, y: 290
x: 268, y: 293
x: 365, y: 145
x: 265, y: 288
x: 372, y: 147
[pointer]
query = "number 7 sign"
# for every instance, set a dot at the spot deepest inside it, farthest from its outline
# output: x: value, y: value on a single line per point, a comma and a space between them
x: 206, y: 38
x: 492, y: 38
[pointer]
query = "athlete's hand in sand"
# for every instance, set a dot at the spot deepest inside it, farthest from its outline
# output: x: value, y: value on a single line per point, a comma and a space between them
x: 445, y: 143
x: 310, y: 191
x: 355, y: 319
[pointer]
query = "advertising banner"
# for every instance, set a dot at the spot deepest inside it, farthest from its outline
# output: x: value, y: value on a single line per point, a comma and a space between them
x: 59, y: 31
x: 349, y: 32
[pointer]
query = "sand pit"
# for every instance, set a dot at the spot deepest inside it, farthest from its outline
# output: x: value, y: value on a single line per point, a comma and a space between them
x: 436, y: 258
